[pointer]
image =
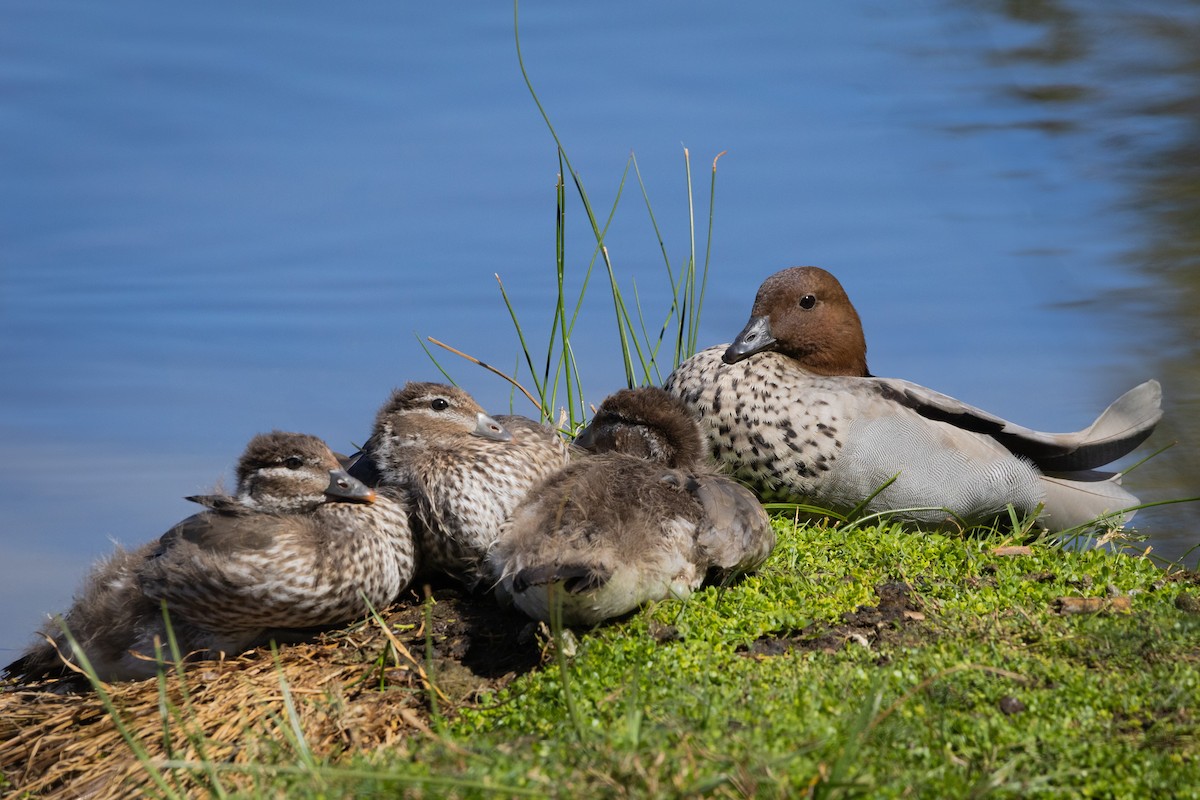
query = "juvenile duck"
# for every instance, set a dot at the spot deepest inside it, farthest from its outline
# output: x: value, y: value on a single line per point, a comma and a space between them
x: 298, y: 547
x: 791, y: 408
x: 462, y: 471
x: 293, y: 549
x: 644, y: 519
x: 647, y: 423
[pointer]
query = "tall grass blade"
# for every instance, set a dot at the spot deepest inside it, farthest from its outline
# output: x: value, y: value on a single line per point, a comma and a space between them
x: 854, y: 512
x: 839, y: 778
x: 712, y: 207
x: 639, y: 351
x: 188, y: 716
x: 436, y: 363
x: 690, y: 269
x: 435, y: 709
x: 554, y: 598
x: 540, y: 386
x: 491, y: 369
x: 294, y: 730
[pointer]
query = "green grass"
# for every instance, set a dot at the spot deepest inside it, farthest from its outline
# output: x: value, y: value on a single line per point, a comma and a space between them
x: 858, y: 661
x: 723, y: 694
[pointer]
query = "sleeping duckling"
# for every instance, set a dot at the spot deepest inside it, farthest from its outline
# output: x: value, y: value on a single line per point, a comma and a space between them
x: 643, y: 519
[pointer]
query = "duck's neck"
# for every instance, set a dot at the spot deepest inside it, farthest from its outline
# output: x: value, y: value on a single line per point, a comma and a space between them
x: 856, y: 368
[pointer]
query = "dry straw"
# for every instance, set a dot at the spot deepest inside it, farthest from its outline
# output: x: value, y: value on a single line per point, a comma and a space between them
x: 217, y: 726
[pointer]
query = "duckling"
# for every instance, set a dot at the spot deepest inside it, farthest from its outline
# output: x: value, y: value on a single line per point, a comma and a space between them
x: 293, y: 549
x: 790, y: 408
x: 643, y: 519
x: 647, y: 423
x: 298, y: 547
x: 462, y: 471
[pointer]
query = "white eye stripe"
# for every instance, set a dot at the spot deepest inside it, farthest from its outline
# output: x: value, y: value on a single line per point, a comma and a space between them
x: 281, y: 472
x: 451, y: 413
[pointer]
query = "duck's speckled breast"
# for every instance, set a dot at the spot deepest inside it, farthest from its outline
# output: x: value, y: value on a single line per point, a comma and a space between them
x: 834, y: 441
x: 771, y: 424
x: 463, y: 496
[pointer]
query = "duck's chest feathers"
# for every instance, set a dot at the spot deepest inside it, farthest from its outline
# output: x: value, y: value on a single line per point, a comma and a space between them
x: 370, y: 550
x: 770, y: 424
x: 460, y: 502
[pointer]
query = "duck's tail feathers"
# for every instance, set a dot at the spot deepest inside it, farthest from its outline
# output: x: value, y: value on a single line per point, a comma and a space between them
x: 1080, y: 498
x: 42, y: 660
x: 1123, y: 426
x: 735, y: 535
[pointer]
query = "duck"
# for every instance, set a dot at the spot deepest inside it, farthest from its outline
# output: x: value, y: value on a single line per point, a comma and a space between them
x: 647, y: 423
x: 303, y: 544
x: 643, y: 518
x: 461, y: 471
x: 790, y: 408
x: 300, y: 545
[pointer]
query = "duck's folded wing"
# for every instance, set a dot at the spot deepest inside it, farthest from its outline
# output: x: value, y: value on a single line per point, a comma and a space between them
x: 232, y: 528
x: 361, y: 466
x: 735, y: 534
x: 1123, y: 426
x: 222, y: 572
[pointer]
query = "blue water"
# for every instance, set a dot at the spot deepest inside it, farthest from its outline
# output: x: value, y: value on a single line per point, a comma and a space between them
x: 224, y: 218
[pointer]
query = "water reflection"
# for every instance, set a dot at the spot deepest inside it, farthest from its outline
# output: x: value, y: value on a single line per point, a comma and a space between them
x: 1166, y: 190
x: 1131, y: 79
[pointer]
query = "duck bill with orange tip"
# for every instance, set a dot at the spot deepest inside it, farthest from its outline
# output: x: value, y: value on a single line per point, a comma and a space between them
x: 343, y: 486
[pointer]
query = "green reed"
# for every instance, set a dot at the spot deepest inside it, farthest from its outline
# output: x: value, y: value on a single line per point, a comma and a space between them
x: 556, y: 376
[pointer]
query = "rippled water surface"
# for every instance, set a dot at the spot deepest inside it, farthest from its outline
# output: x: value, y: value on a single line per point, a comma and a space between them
x: 221, y: 219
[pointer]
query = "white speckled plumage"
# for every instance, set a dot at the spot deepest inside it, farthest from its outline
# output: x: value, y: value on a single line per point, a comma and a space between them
x: 644, y: 519
x: 791, y: 409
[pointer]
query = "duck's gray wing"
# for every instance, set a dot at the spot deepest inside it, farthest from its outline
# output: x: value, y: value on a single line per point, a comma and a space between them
x: 217, y: 502
x: 735, y: 534
x: 1123, y: 426
x: 231, y: 528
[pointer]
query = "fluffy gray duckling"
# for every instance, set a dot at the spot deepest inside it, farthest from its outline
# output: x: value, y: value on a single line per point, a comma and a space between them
x: 462, y: 471
x: 643, y: 519
x: 293, y: 549
x: 791, y: 409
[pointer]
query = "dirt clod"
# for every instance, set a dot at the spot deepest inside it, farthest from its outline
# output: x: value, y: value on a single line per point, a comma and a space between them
x: 865, y: 625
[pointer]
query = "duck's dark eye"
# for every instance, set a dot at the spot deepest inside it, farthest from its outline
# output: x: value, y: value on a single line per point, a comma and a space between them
x: 293, y: 462
x: 808, y: 301
x: 439, y: 404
